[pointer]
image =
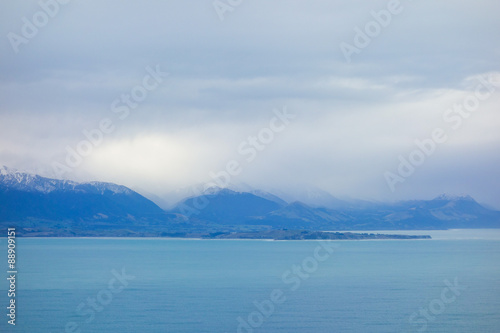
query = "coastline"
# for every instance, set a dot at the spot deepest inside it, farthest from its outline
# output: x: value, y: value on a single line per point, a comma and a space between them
x: 267, y: 235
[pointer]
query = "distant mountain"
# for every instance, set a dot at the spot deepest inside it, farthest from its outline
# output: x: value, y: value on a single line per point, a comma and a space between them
x: 43, y: 206
x: 227, y: 207
x: 224, y: 206
x: 242, y: 187
x: 444, y: 211
x: 27, y: 197
x: 269, y: 196
x: 301, y: 216
x: 314, y: 197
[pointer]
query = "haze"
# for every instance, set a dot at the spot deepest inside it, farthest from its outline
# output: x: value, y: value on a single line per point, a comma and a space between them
x: 353, y: 114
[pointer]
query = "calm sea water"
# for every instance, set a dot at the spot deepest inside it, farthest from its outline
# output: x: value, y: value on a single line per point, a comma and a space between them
x: 165, y: 285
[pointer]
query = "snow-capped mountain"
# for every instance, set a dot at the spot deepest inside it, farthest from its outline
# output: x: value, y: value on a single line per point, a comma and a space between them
x: 66, y: 207
x: 14, y: 179
x: 29, y: 197
x: 452, y: 197
x: 23, y: 181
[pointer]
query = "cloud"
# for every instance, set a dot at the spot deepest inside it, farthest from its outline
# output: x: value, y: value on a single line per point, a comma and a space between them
x: 226, y: 77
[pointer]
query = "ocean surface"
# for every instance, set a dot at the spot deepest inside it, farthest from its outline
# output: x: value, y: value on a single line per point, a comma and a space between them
x: 448, y: 284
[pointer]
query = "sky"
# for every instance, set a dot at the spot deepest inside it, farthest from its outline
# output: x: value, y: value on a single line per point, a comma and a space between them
x: 379, y: 100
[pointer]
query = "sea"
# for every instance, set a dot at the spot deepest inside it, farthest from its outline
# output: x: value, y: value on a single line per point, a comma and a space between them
x: 448, y: 284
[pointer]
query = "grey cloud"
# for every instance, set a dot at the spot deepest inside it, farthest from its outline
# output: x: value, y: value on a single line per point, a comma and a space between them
x: 226, y: 77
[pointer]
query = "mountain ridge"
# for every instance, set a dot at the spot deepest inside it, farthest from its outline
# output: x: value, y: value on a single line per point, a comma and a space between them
x: 33, y: 201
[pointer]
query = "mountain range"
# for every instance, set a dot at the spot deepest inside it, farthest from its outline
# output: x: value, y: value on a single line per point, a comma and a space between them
x: 40, y: 206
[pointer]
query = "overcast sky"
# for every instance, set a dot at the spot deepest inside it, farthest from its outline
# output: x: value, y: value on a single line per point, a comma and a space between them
x: 359, y: 100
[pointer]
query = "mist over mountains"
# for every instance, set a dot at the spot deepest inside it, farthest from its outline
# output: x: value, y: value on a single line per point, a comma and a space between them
x: 40, y: 206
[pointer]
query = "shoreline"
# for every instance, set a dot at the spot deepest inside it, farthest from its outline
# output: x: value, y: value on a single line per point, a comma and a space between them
x: 268, y: 235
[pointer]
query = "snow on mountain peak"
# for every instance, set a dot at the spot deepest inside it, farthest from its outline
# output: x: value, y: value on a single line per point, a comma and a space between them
x: 212, y: 190
x: 116, y: 189
x: 4, y: 171
x: 23, y: 181
x: 452, y: 197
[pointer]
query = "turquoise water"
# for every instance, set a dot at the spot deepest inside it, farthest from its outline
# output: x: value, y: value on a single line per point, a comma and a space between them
x: 205, y: 286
